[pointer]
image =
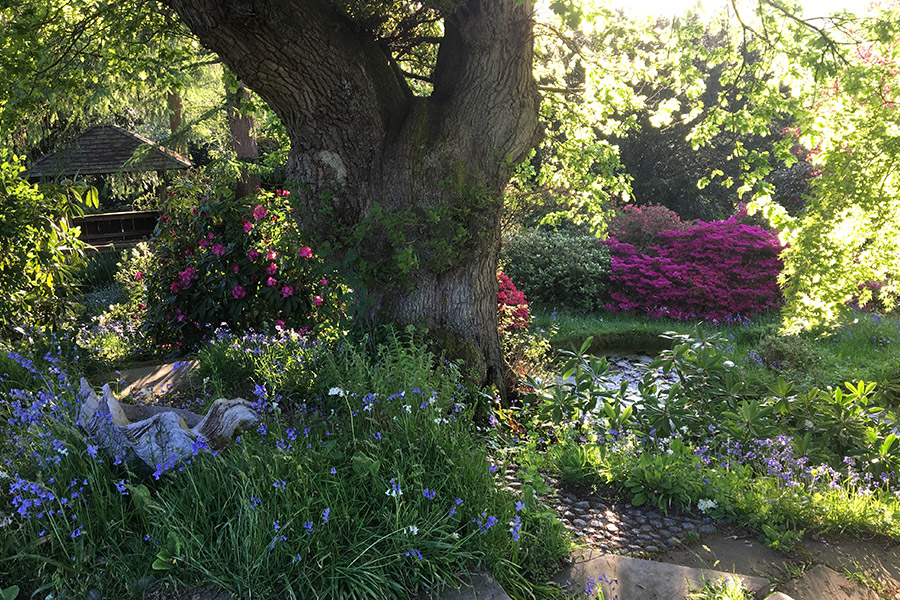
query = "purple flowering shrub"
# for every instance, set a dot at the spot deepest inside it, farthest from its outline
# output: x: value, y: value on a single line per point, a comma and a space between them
x: 711, y: 271
x: 241, y: 262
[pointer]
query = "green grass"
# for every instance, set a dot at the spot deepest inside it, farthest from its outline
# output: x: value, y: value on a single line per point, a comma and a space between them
x: 865, y: 347
x: 720, y: 589
x: 619, y: 332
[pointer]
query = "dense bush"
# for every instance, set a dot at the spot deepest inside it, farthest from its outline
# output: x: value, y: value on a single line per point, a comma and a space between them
x: 558, y: 269
x: 37, y: 249
x: 241, y: 262
x: 711, y: 271
x: 512, y: 305
x: 640, y: 226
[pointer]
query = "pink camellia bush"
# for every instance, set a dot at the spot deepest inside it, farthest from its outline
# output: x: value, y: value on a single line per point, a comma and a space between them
x: 512, y: 305
x: 715, y: 270
x: 206, y: 269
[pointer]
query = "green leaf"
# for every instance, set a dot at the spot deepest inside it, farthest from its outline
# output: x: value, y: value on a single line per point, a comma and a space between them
x: 163, y: 564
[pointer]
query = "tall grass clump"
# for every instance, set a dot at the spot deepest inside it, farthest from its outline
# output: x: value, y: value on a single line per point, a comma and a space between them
x: 376, y: 486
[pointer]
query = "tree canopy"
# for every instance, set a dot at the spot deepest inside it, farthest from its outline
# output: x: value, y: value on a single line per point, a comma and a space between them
x: 405, y: 120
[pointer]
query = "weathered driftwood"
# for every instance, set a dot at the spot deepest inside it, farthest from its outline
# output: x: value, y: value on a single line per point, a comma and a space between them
x: 156, y: 434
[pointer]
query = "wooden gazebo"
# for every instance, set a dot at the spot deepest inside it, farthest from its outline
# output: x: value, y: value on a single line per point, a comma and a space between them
x: 103, y: 150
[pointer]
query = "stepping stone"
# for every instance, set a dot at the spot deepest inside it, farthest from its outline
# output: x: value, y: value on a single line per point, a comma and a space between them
x: 627, y: 578
x: 821, y: 582
x: 778, y: 596
x: 151, y: 380
x: 481, y: 586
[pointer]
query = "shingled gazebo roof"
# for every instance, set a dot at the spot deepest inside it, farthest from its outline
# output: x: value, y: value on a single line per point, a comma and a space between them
x: 104, y: 149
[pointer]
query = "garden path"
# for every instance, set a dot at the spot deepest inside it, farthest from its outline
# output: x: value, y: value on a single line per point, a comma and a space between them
x: 149, y: 380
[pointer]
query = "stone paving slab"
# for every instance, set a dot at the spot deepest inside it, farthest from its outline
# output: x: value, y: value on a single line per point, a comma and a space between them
x: 778, y: 596
x: 626, y: 578
x: 820, y: 582
x: 481, y: 586
x: 151, y: 380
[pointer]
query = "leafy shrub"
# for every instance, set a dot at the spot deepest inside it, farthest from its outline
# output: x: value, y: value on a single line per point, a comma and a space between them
x: 559, y: 270
x: 788, y: 353
x: 640, y: 226
x: 37, y: 248
x: 241, y: 262
x: 713, y: 270
x: 665, y: 479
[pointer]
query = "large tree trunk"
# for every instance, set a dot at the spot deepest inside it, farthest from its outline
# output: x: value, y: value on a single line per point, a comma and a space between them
x: 414, y: 183
x: 175, y: 108
x: 242, y: 126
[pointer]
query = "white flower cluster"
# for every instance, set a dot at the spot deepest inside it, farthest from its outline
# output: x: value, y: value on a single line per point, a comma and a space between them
x: 705, y: 505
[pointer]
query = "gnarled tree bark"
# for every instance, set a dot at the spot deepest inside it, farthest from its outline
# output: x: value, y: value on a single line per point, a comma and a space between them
x: 363, y: 146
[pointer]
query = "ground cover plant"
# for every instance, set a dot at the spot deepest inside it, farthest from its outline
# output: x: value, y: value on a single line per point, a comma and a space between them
x: 782, y: 463
x: 280, y: 511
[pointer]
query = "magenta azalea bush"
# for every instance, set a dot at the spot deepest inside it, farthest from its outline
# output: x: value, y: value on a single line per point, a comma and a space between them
x: 512, y: 305
x: 639, y: 226
x: 713, y: 270
x: 241, y: 262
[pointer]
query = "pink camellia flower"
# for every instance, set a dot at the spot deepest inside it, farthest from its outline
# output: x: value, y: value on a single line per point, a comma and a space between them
x: 247, y: 226
x: 187, y: 275
x: 324, y: 281
x: 306, y: 252
x: 235, y: 268
x: 138, y: 276
x: 272, y: 255
x: 259, y: 212
x: 287, y: 291
x: 238, y: 292
x: 318, y: 300
x: 218, y: 249
x: 271, y: 282
x: 272, y: 269
x: 253, y: 254
x: 210, y: 236
x: 203, y: 243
